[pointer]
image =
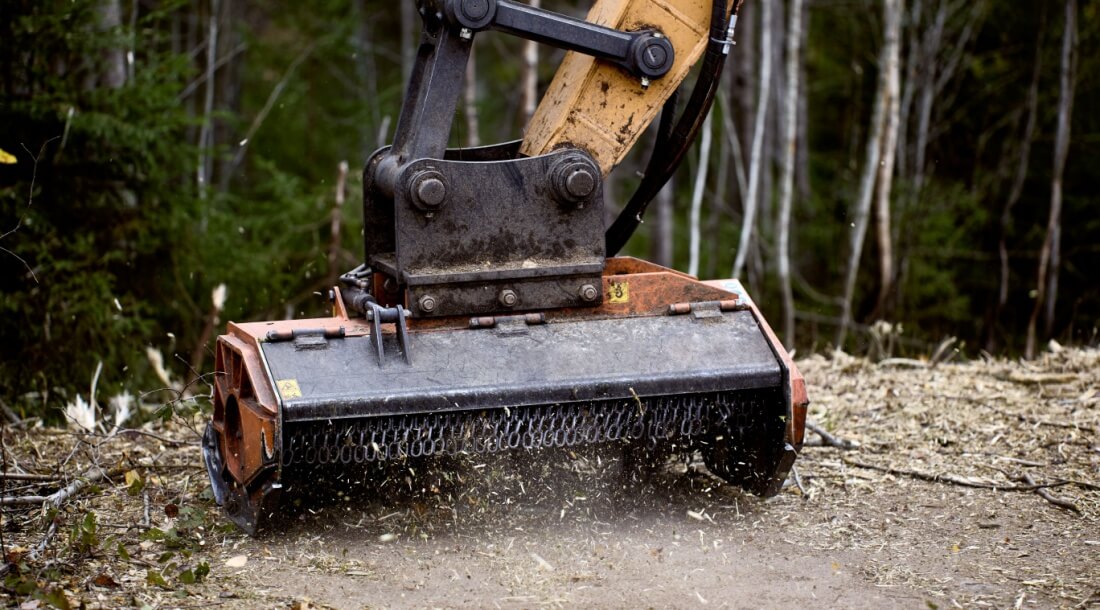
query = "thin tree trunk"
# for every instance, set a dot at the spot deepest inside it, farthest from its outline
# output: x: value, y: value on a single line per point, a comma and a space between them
x: 931, y: 49
x: 336, y: 217
x: 866, y: 195
x: 1021, y: 170
x: 366, y: 71
x: 697, y: 197
x: 205, y: 131
x: 889, y: 154
x: 530, y: 75
x: 714, y: 217
x: 802, y: 158
x: 757, y: 164
x: 1047, y: 284
x: 469, y: 98
x: 410, y: 28
x: 912, y: 61
x: 786, y: 186
x: 114, y: 66
x: 662, y: 244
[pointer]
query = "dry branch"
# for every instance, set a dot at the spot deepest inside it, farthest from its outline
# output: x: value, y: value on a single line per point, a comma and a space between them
x: 1049, y: 497
x: 830, y: 440
x: 950, y: 478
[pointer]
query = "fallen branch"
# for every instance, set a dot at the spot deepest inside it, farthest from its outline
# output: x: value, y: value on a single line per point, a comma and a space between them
x: 829, y: 440
x: 1028, y: 419
x: 19, y: 476
x: 56, y: 499
x: 1049, y: 497
x: 904, y: 363
x: 1038, y: 378
x: 951, y: 479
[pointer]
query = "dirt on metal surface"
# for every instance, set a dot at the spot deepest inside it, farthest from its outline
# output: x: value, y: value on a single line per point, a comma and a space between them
x: 932, y: 509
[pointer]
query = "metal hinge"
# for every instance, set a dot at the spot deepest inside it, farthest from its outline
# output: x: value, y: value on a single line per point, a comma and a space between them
x: 378, y: 316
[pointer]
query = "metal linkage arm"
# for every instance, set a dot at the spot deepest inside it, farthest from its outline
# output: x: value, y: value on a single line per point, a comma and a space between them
x: 646, y: 54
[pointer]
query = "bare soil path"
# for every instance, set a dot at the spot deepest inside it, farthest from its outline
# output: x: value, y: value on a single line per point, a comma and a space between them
x: 917, y: 516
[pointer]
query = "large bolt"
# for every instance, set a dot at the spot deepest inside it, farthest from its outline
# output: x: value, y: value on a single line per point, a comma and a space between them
x: 428, y: 303
x: 589, y: 293
x: 475, y: 9
x: 508, y: 298
x: 471, y: 14
x: 575, y: 179
x: 428, y: 191
x: 580, y: 183
x: 653, y: 56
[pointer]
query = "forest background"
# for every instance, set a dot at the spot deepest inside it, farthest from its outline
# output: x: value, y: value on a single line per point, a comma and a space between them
x: 166, y: 166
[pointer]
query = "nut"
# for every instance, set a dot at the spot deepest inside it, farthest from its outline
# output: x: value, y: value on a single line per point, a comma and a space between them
x: 428, y: 303
x: 508, y: 298
x: 589, y: 293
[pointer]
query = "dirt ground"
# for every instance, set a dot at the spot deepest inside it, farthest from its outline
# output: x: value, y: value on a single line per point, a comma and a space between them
x: 936, y: 507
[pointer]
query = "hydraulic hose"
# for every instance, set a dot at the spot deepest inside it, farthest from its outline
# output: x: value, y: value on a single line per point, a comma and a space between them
x: 672, y: 146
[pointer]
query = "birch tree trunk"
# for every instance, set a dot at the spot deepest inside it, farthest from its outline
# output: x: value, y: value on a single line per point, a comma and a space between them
x: 469, y: 105
x: 110, y: 19
x: 883, y: 226
x: 530, y: 75
x: 1049, y: 255
x: 786, y: 186
x: 756, y: 162
x: 866, y: 195
x: 697, y: 197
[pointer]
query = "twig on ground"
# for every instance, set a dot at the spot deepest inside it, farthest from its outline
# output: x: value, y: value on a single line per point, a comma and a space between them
x: 1038, y: 378
x: 830, y: 440
x: 1049, y: 497
x: 1028, y: 419
x: 943, y: 352
x: 951, y: 479
x: 19, y: 476
x: 56, y: 499
x: 798, y: 481
x: 45, y: 540
x: 904, y: 362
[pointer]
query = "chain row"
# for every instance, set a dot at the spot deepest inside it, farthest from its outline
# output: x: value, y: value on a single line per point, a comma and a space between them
x: 399, y: 436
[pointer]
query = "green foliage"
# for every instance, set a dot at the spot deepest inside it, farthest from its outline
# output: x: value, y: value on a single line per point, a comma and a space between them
x: 84, y: 539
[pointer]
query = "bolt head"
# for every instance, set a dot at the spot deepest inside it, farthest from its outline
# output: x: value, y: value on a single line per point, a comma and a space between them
x: 589, y: 293
x: 580, y: 183
x: 428, y: 303
x: 508, y: 298
x: 655, y: 56
x: 475, y: 9
x: 431, y: 192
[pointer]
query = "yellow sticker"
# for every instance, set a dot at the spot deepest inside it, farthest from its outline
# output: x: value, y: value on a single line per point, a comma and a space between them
x: 618, y: 292
x: 7, y: 158
x: 288, y: 388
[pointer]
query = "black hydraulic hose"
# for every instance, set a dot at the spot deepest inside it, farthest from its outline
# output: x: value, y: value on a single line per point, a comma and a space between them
x: 669, y: 151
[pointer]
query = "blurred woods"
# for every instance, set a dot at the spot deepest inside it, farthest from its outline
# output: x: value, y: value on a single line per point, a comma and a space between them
x: 927, y: 163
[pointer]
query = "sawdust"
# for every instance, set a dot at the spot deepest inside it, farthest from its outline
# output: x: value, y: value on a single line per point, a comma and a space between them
x: 918, y: 515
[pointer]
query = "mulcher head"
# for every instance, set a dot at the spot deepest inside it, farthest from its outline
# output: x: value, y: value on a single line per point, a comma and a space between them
x: 701, y: 374
x: 487, y: 315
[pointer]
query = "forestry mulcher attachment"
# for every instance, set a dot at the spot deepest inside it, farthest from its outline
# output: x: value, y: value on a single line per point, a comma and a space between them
x: 487, y: 315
